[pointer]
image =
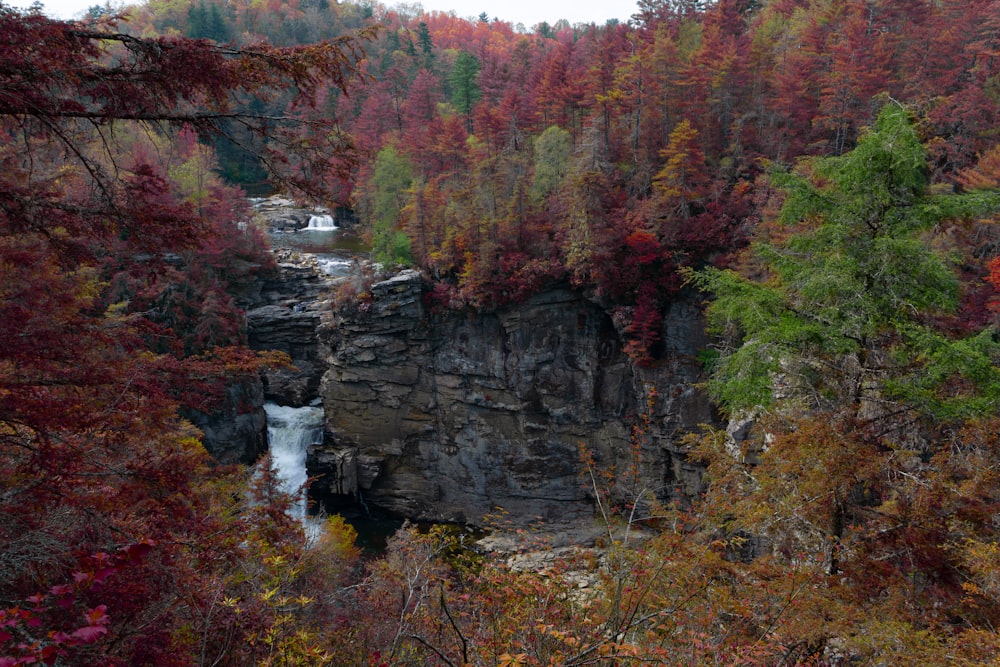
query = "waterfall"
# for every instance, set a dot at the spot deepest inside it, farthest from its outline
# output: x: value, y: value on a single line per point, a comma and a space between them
x: 324, y: 222
x: 289, y: 432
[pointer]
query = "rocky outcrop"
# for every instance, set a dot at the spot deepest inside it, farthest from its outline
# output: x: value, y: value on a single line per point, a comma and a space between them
x: 448, y: 417
x: 286, y: 318
x: 236, y: 431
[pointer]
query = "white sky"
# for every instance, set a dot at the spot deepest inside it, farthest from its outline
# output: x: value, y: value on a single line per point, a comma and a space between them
x: 533, y: 12
x: 527, y: 12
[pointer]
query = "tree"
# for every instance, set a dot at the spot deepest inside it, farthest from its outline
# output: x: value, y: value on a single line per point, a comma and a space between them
x: 184, y: 82
x: 845, y: 303
x: 100, y: 474
x: 206, y: 21
x: 426, y: 46
x: 682, y: 182
x: 856, y: 69
x: 837, y: 335
x: 552, y: 152
x: 421, y: 106
x: 558, y: 93
x: 868, y: 407
x: 391, y: 181
x: 464, y: 87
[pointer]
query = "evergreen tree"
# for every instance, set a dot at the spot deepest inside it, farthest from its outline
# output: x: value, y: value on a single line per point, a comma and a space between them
x: 839, y: 332
x: 216, y: 27
x: 206, y: 21
x: 842, y: 313
x: 465, y: 90
x: 196, y: 20
x: 424, y: 41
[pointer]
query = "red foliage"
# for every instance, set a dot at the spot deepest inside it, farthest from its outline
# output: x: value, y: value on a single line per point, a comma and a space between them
x: 109, y: 280
x: 643, y: 330
x: 643, y: 247
x: 993, y: 279
x: 62, y: 605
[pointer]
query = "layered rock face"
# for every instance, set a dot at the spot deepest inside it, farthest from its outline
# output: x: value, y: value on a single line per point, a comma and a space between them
x: 286, y: 317
x: 449, y: 417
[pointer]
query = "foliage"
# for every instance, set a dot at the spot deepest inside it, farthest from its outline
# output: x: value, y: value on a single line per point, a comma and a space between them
x: 391, y: 181
x: 121, y: 263
x: 464, y: 88
x: 856, y: 523
x: 842, y: 314
x: 866, y: 406
x: 672, y: 122
x: 552, y: 153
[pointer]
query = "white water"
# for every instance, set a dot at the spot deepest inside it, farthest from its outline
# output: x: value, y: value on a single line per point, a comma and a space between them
x: 334, y: 266
x: 324, y: 222
x: 289, y: 432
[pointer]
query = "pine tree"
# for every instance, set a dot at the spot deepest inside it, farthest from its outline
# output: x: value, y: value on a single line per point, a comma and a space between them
x: 842, y: 313
x: 464, y: 86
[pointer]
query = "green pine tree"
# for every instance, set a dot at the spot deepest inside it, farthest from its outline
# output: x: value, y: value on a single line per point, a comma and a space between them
x: 841, y: 315
x: 464, y: 82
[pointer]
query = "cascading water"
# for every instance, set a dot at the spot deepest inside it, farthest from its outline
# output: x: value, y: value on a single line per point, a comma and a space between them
x: 332, y: 265
x: 322, y: 222
x: 289, y: 432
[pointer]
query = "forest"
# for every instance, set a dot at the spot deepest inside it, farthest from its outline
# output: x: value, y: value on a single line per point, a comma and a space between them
x: 824, y: 174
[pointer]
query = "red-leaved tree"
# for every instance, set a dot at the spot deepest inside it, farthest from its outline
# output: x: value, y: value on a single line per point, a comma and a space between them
x: 119, y: 541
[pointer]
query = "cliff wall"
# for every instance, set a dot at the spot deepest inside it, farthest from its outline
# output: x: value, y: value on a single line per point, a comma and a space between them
x: 285, y: 316
x: 449, y: 417
x: 282, y: 313
x: 236, y: 430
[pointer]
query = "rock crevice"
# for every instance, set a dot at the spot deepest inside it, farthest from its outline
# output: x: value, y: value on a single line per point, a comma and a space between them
x: 286, y: 317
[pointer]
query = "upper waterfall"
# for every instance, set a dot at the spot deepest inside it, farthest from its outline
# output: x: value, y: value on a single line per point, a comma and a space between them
x: 324, y: 222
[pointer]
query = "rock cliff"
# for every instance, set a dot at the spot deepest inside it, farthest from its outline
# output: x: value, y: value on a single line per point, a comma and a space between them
x: 282, y: 313
x: 448, y: 417
x: 236, y: 431
x: 286, y: 316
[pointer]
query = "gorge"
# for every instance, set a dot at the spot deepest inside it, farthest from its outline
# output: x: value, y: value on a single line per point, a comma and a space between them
x: 452, y: 416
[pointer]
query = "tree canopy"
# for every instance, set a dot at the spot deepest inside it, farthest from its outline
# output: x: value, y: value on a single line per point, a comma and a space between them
x: 844, y: 309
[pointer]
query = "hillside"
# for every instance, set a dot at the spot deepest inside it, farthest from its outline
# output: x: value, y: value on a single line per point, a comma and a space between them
x: 823, y: 177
